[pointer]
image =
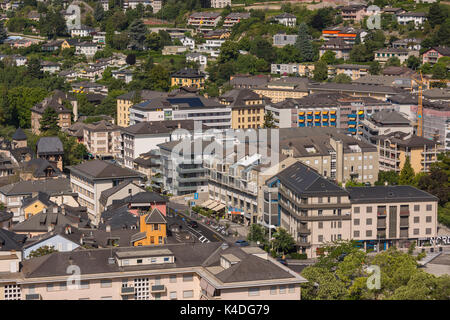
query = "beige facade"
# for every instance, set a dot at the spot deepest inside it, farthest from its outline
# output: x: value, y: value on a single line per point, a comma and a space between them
x: 277, y: 94
x: 123, y: 115
x: 102, y: 139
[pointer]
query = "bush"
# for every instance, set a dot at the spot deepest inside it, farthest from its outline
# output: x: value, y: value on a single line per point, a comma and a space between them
x: 296, y: 255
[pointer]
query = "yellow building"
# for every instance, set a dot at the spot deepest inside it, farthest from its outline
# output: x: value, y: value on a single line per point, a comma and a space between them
x: 284, y: 88
x: 188, y: 78
x: 36, y: 204
x: 394, y: 148
x: 247, y: 108
x: 153, y: 229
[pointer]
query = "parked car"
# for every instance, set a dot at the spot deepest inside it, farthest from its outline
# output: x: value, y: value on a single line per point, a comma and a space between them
x: 241, y: 243
x: 282, y: 261
x: 193, y: 224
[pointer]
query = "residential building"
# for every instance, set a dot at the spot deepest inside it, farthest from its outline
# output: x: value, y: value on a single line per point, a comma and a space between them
x: 188, y: 42
x: 283, y: 88
x: 248, y: 81
x: 220, y: 3
x: 281, y: 39
x: 234, y: 18
x: 132, y: 4
x: 123, y: 190
x: 287, y: 19
x: 354, y: 71
x: 247, y: 108
x: 383, y: 55
x: 124, y: 75
x: 204, y: 20
x: 408, y: 43
x: 338, y: 46
x: 418, y: 18
x: 91, y: 178
x: 50, y: 66
x: 153, y: 229
x: 81, y: 32
x: 89, y: 87
x: 357, y: 90
x: 194, y: 271
x: 201, y: 59
x: 434, y: 54
x: 395, y: 147
x: 188, y: 78
x: 284, y: 69
x: 384, y: 122
x: 51, y: 149
x: 354, y: 13
x: 102, y: 139
x: 348, y: 34
x: 86, y: 48
x: 173, y: 50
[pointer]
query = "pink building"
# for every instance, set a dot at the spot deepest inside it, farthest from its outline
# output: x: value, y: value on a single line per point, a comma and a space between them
x: 434, y: 54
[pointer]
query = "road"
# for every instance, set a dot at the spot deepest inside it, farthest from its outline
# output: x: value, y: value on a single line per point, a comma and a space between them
x: 178, y: 213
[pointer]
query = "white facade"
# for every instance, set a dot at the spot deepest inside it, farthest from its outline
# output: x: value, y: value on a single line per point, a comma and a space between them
x: 220, y: 3
x: 188, y: 42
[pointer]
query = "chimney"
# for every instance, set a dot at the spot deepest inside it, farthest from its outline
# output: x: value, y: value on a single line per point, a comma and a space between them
x: 108, y: 228
x: 49, y: 228
x: 63, y: 210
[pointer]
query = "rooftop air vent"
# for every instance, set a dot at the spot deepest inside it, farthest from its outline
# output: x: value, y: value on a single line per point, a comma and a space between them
x: 111, y: 260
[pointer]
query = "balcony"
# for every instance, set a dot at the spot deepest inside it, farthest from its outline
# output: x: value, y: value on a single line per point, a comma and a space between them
x: 191, y: 170
x: 304, y: 231
x: 404, y: 223
x: 381, y: 224
x: 381, y: 213
x: 192, y: 179
x: 33, y: 296
x: 160, y: 288
x: 127, y: 291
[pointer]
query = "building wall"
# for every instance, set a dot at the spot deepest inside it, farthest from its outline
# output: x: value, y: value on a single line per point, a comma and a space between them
x: 280, y: 95
x: 123, y: 107
x: 251, y: 117
x: 33, y: 208
x: 59, y: 243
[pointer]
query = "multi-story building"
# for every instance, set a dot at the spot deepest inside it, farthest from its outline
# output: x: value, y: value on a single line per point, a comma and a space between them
x: 287, y: 19
x: 408, y: 43
x: 247, y: 81
x: 125, y: 101
x: 201, y: 59
x: 284, y: 88
x: 284, y: 69
x: 188, y: 78
x: 353, y: 12
x: 348, y: 34
x: 91, y: 178
x: 316, y: 211
x: 220, y: 3
x: 234, y: 18
x: 418, y: 18
x: 247, y: 108
x: 395, y: 147
x: 357, y: 90
x: 55, y: 102
x: 82, y: 31
x: 281, y: 39
x: 434, y: 54
x: 338, y: 46
x: 51, y: 149
x: 133, y: 4
x: 354, y: 71
x: 383, y: 55
x: 86, y: 48
x: 208, y: 271
x: 204, y: 20
x: 183, y: 107
x: 102, y: 139
x: 384, y: 122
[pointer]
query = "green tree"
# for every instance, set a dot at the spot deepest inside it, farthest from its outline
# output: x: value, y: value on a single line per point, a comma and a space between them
x: 439, y: 71
x: 34, y: 68
x: 342, y: 78
x: 269, y: 121
x: 49, y: 121
x: 42, y: 251
x: 282, y: 241
x: 375, y: 68
x: 406, y: 174
x: 137, y: 34
x: 391, y: 177
x: 413, y: 62
x: 304, y: 44
x: 320, y: 71
x: 394, y: 61
x: 257, y: 233
x: 329, y: 57
x: 229, y: 51
x: 3, y: 33
x: 99, y: 12
x: 436, y: 15
x: 154, y: 41
x: 130, y: 59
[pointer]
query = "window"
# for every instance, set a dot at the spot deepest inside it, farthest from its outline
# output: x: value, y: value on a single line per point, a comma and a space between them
x: 188, y: 277
x: 273, y: 290
x: 320, y: 238
x: 416, y: 219
x: 50, y: 287
x: 106, y: 283
x: 291, y: 288
x: 84, y: 284
x: 63, y: 286
x: 173, y: 295
x: 188, y: 294
x: 320, y: 225
x: 356, y: 222
x: 282, y: 289
x: 173, y: 278
x: 320, y: 212
x: 417, y: 207
x: 368, y: 209
x: 139, y: 261
x: 416, y: 231
x: 429, y: 207
x: 253, y: 291
x: 368, y: 233
x: 356, y: 234
x: 356, y: 210
x: 107, y: 298
x: 369, y: 221
x: 428, y: 230
x: 428, y: 219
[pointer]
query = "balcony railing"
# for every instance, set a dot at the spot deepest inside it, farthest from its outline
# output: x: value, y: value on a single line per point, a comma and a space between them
x: 158, y: 288
x: 127, y: 290
x: 381, y: 224
x: 404, y: 223
x: 404, y: 212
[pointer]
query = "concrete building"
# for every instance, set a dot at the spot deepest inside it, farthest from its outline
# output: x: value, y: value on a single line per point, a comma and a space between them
x: 220, y: 3
x: 383, y: 55
x: 102, y: 139
x: 91, y: 178
x: 418, y: 18
x: 86, y: 48
x: 394, y: 147
x: 340, y: 48
x: 354, y: 71
x: 283, y: 88
x: 354, y: 13
x: 385, y: 122
x: 234, y: 18
x: 281, y: 39
x: 287, y: 19
x: 434, y: 54
x: 208, y: 271
x: 188, y: 78
x: 204, y: 20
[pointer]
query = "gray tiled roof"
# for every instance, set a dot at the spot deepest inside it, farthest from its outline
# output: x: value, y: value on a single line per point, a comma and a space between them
x: 155, y: 216
x: 40, y: 222
x: 19, y: 135
x: 11, y: 241
x: 388, y: 194
x: 99, y: 169
x: 49, y: 145
x: 52, y: 186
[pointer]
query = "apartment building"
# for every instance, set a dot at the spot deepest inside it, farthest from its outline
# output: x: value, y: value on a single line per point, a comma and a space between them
x: 248, y: 81
x: 125, y: 101
x: 86, y: 48
x: 353, y: 13
x: 284, y: 69
x: 188, y: 78
x: 384, y: 122
x: 183, y: 106
x: 383, y: 55
x: 82, y: 31
x: 247, y: 108
x: 418, y: 18
x: 394, y: 147
x: 102, y: 139
x: 204, y: 20
x: 357, y: 90
x: 234, y: 18
x: 50, y: 66
x: 354, y: 71
x: 283, y: 88
x: 51, y: 149
x: 281, y: 39
x: 220, y: 3
x: 434, y: 54
x: 408, y: 43
x: 91, y: 178
x: 337, y: 45
x: 286, y: 19
x: 348, y: 34
x: 56, y: 102
x: 208, y: 271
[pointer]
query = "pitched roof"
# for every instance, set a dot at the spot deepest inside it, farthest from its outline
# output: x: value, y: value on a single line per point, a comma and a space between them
x: 52, y: 186
x: 41, y: 222
x: 155, y: 216
x: 158, y: 127
x: 39, y: 167
x: 118, y: 218
x: 5, y: 215
x: 389, y: 117
x: 49, y: 145
x: 11, y: 241
x: 99, y: 169
x: 19, y: 135
x: 109, y: 192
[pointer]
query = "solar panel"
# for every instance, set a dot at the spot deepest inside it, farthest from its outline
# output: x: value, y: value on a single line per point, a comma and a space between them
x: 192, y: 102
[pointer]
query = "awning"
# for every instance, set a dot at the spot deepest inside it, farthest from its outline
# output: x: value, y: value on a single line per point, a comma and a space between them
x: 212, y: 205
x: 219, y: 207
x: 206, y: 203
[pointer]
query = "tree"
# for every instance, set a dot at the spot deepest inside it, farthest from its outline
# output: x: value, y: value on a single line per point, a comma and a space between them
x: 269, y: 121
x: 3, y: 33
x: 282, y: 241
x: 413, y: 62
x: 34, y: 68
x: 137, y: 34
x: 52, y: 24
x: 375, y: 68
x: 393, y: 62
x: 263, y: 49
x: 407, y: 174
x: 436, y: 15
x: 391, y: 177
x: 342, y: 78
x: 99, y: 12
x: 329, y: 57
x: 130, y: 59
x: 304, y: 44
x: 229, y: 51
x: 320, y: 71
x: 42, y: 251
x: 257, y: 233
x: 439, y: 71
x: 49, y: 121
x: 154, y: 41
